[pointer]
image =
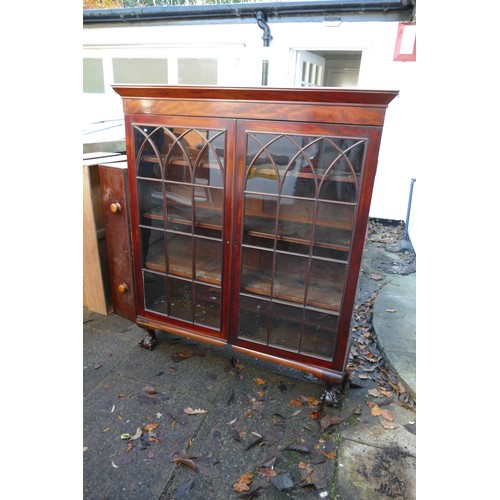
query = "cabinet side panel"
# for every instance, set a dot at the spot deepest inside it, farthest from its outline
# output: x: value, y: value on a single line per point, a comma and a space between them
x: 116, y: 220
x: 358, y: 242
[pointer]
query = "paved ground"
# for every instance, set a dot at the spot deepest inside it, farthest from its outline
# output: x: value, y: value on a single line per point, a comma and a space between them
x: 189, y: 421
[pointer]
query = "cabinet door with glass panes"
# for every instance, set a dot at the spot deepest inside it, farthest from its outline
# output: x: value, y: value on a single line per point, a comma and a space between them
x: 299, y: 188
x: 181, y: 178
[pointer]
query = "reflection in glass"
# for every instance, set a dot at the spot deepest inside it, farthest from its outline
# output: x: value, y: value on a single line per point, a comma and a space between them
x: 253, y: 319
x: 153, y: 249
x: 181, y: 300
x: 180, y: 255
x: 256, y: 271
x: 208, y: 260
x: 326, y: 283
x: 208, y: 306
x: 285, y: 326
x: 155, y: 292
x: 320, y: 330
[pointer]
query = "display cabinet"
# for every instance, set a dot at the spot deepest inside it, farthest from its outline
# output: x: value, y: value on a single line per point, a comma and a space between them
x: 249, y: 209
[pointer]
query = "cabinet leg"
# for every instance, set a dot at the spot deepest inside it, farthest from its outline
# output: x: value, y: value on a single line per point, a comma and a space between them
x: 150, y: 341
x: 330, y: 396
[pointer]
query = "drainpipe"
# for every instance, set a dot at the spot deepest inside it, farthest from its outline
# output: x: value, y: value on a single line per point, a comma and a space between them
x: 408, y: 210
x: 266, y: 37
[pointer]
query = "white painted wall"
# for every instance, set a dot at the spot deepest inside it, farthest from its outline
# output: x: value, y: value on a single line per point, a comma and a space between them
x: 238, y: 47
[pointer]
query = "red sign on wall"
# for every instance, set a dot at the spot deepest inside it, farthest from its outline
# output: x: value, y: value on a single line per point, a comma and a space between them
x: 406, y: 43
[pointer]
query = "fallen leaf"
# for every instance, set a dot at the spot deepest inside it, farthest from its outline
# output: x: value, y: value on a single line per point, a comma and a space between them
x: 190, y: 411
x: 375, y: 409
x: 391, y: 310
x: 254, y: 442
x: 376, y: 277
x: 330, y: 455
x: 243, y: 483
x: 375, y: 393
x: 181, y: 356
x: 295, y: 413
x: 137, y: 435
x: 266, y: 473
x: 315, y: 415
x: 149, y: 390
x: 260, y: 381
x: 329, y: 420
x: 387, y: 424
x: 294, y: 403
x: 358, y: 410
x: 185, y: 461
x: 151, y: 427
x: 385, y: 392
x: 387, y: 415
x: 125, y: 435
x: 310, y: 400
x: 130, y: 447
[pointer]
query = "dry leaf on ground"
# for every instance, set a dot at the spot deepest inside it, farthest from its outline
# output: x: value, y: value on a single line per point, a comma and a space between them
x: 190, y: 411
x: 243, y: 483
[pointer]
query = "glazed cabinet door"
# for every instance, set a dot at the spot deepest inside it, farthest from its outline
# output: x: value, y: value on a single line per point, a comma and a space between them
x: 180, y: 184
x: 298, y: 192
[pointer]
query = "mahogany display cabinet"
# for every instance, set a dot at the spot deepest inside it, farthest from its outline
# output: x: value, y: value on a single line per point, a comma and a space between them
x: 249, y: 209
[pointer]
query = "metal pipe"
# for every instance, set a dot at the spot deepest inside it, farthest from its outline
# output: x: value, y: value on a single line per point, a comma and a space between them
x: 409, y: 209
x: 228, y: 11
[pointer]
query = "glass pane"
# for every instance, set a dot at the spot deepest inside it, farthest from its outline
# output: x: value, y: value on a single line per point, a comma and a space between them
x: 149, y: 143
x: 140, y: 70
x: 256, y: 271
x: 296, y: 218
x: 149, y: 198
x: 179, y: 209
x: 208, y: 306
x: 153, y: 249
x: 334, y: 224
x: 262, y: 179
x: 180, y: 255
x: 289, y: 280
x: 253, y: 319
x: 330, y: 253
x: 197, y: 71
x: 260, y: 215
x: 208, y: 208
x: 285, y: 326
x: 326, y: 283
x: 208, y: 260
x: 320, y: 330
x: 155, y: 292
x: 181, y: 299
x: 93, y: 76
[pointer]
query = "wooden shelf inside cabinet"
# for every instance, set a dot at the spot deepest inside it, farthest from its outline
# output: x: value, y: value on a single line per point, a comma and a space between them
x: 181, y: 264
x: 291, y: 289
x: 177, y: 162
x: 270, y: 173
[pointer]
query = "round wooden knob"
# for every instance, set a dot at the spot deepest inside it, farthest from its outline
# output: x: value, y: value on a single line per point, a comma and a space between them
x: 115, y: 207
x: 122, y: 288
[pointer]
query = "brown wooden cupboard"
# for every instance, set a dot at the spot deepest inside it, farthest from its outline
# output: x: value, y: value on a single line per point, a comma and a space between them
x: 249, y: 209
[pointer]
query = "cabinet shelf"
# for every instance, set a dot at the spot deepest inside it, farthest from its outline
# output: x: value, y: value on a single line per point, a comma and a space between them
x: 269, y: 172
x: 181, y: 264
x: 291, y: 289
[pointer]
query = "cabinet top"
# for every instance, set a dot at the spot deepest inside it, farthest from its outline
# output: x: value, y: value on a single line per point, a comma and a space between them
x: 327, y: 95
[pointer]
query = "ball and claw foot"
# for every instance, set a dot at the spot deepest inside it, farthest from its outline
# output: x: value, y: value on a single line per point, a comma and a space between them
x: 150, y: 341
x: 330, y: 396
